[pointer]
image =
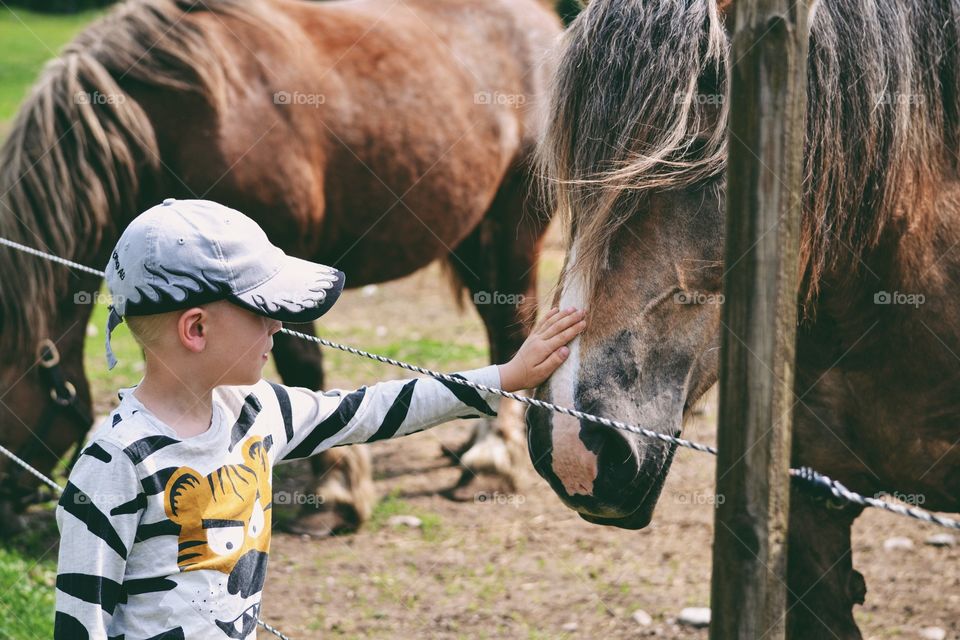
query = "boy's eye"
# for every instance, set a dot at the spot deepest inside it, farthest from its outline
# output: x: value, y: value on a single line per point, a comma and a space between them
x: 225, y: 540
x: 256, y: 520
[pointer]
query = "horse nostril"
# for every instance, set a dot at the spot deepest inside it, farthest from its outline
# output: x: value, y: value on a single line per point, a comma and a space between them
x: 594, y: 436
x: 614, y: 450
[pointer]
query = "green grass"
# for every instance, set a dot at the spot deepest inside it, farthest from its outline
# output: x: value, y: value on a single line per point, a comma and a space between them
x: 28, y: 571
x: 426, y: 352
x: 27, y: 40
x: 433, y: 353
x: 26, y: 595
x: 28, y: 565
x: 391, y: 505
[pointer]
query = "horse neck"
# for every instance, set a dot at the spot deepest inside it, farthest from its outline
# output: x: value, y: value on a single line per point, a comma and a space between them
x: 884, y: 376
x: 898, y: 302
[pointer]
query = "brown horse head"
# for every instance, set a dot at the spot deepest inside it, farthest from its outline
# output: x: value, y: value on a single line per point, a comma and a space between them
x: 635, y: 152
x: 644, y: 255
x: 649, y: 352
x: 80, y: 161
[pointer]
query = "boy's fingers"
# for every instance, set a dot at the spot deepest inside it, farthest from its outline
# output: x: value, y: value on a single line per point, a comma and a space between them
x: 560, y: 316
x: 556, y: 341
x: 569, y: 333
x: 547, y: 319
x: 563, y: 323
x: 556, y: 358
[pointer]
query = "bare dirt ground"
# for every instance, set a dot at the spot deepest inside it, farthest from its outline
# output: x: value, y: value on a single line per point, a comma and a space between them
x: 524, y: 566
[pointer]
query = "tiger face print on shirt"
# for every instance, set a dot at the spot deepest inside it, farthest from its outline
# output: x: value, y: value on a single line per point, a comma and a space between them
x: 224, y: 520
x: 169, y: 538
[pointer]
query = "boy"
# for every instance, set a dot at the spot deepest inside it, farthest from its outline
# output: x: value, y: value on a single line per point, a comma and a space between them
x: 165, y: 521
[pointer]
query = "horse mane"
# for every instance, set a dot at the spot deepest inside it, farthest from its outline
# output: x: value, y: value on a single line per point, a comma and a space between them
x: 72, y: 166
x: 639, y: 105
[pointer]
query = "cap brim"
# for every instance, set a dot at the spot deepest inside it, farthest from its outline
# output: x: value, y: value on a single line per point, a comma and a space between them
x: 301, y: 291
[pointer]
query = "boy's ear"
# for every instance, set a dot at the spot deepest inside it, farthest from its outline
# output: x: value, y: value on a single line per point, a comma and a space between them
x: 192, y: 329
x: 181, y: 493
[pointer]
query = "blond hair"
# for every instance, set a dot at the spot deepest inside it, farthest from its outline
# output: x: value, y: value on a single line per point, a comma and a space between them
x: 147, y: 330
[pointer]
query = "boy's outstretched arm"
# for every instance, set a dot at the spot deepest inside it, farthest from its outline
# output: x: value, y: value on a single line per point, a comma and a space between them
x: 318, y: 420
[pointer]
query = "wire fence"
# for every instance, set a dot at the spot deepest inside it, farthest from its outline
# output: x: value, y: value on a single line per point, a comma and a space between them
x: 813, y: 480
x: 816, y: 481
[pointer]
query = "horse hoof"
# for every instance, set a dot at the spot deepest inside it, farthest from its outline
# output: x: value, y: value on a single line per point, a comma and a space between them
x: 323, y: 524
x: 480, y: 487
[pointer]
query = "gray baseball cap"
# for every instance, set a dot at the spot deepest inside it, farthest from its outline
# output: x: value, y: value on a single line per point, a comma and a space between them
x: 185, y: 253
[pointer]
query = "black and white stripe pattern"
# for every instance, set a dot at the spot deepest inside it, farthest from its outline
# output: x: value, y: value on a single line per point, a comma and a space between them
x: 119, y: 543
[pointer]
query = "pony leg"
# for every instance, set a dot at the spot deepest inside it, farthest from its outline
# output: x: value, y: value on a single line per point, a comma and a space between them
x: 343, y: 482
x: 823, y: 586
x: 497, y: 262
x: 342, y: 478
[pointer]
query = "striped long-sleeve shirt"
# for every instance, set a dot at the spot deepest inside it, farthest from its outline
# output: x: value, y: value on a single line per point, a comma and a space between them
x: 168, y: 537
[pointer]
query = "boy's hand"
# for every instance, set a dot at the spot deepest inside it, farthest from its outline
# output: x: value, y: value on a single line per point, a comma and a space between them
x: 543, y: 351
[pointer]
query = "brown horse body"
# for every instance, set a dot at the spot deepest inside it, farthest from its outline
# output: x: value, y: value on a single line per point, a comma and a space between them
x: 638, y: 161
x: 370, y: 135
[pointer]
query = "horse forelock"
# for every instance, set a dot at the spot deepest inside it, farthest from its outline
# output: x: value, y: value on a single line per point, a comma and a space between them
x: 631, y: 112
x: 71, y: 167
x: 623, y: 114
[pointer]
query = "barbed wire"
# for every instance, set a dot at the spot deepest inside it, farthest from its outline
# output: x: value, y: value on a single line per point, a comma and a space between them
x: 818, y: 481
x: 273, y: 630
x: 815, y: 480
x: 616, y: 424
x: 56, y: 487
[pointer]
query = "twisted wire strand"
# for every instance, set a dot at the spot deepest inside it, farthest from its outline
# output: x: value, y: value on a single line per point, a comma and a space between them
x: 815, y: 481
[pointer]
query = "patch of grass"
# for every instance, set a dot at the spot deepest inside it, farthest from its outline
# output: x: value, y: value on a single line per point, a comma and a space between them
x: 391, y: 505
x: 26, y: 594
x: 435, y: 353
x: 27, y: 41
x: 28, y: 573
x: 491, y: 592
x: 432, y: 526
x: 425, y: 352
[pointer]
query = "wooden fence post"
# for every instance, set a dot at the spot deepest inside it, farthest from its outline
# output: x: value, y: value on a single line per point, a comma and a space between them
x: 767, y: 96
